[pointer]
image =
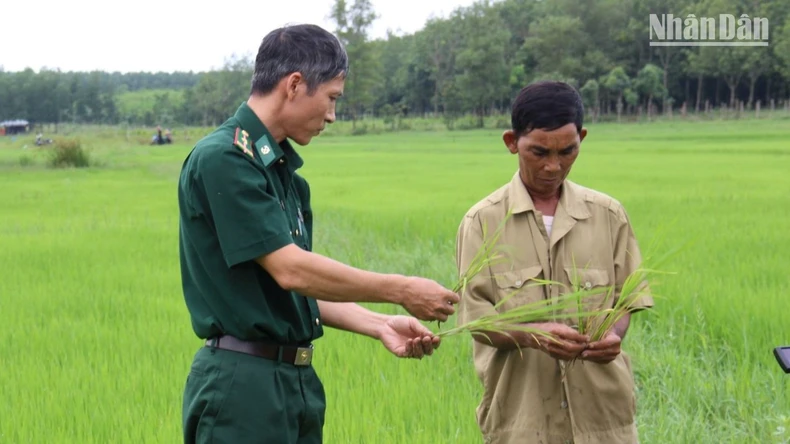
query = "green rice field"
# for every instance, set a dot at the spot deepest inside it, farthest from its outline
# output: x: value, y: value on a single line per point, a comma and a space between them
x: 96, y: 342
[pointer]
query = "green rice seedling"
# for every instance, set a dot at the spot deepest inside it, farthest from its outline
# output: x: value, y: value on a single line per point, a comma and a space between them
x: 489, y: 254
x: 485, y: 257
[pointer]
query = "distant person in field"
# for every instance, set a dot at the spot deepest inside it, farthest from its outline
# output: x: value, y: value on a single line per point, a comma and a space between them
x: 40, y: 140
x: 557, y: 229
x: 159, y: 139
x: 257, y: 295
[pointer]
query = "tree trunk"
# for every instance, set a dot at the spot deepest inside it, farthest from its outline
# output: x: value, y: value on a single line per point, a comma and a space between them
x: 699, y: 93
x: 732, y: 83
x: 717, y: 100
x: 666, y: 97
x: 732, y: 94
x: 597, y: 114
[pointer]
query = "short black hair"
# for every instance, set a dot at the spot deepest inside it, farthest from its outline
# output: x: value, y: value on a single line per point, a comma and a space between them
x: 308, y: 49
x: 546, y: 105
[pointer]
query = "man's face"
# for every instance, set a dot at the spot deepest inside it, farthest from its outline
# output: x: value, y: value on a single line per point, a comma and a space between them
x: 545, y: 157
x: 308, y: 114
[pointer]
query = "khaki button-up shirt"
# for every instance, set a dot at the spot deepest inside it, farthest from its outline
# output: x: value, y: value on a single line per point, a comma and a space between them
x: 526, y: 399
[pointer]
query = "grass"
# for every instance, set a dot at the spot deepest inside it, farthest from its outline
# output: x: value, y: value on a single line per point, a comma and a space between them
x: 96, y: 341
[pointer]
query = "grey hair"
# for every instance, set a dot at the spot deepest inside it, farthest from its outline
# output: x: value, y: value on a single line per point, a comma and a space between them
x: 308, y: 49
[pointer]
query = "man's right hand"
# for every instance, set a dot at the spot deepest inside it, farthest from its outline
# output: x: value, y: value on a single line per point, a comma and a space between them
x: 427, y: 300
x: 567, y: 343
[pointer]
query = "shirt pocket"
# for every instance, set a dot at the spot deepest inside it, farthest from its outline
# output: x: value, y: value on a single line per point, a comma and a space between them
x: 595, y: 282
x: 517, y: 287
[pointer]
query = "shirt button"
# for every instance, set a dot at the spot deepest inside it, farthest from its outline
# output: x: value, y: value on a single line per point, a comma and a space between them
x: 282, y: 161
x: 564, y: 404
x: 317, y: 322
x: 587, y: 285
x: 518, y: 283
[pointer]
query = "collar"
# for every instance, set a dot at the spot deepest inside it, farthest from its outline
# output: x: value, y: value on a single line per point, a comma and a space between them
x: 570, y: 199
x: 264, y: 144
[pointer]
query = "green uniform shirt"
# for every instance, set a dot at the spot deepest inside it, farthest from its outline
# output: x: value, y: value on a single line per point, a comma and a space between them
x: 240, y: 198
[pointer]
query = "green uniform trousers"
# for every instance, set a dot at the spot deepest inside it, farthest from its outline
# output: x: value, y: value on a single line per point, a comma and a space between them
x: 236, y: 398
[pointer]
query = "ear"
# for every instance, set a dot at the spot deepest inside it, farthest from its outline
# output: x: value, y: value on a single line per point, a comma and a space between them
x: 582, y: 134
x: 292, y: 83
x: 511, y: 142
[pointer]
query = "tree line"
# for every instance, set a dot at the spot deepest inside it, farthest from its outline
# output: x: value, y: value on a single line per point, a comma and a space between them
x: 470, y: 63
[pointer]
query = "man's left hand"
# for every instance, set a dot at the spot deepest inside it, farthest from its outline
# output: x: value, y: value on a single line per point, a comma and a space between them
x: 603, y: 351
x: 405, y: 337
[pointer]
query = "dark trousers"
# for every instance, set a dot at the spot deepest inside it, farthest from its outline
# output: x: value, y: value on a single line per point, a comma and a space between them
x: 237, y: 398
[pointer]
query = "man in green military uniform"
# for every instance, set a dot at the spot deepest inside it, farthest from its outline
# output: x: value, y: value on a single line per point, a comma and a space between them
x: 255, y: 291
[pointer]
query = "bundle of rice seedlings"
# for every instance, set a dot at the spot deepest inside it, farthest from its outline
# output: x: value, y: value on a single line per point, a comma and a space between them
x: 515, y: 319
x: 570, y: 305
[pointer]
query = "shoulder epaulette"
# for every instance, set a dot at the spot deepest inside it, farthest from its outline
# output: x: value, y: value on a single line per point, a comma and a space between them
x: 241, y: 140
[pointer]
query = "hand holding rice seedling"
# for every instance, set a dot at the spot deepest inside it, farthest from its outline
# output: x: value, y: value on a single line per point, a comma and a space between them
x: 523, y: 318
x: 593, y: 312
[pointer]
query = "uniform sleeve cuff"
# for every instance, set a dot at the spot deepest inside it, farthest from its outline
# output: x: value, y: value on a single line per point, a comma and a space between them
x: 258, y: 249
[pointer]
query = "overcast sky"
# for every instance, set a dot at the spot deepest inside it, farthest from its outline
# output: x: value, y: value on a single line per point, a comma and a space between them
x: 170, y: 35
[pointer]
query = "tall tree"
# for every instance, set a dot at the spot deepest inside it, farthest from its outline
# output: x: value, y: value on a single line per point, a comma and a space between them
x: 649, y: 83
x: 352, y: 27
x: 483, y: 71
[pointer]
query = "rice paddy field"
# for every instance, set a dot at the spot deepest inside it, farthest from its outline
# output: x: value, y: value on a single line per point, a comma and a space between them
x: 95, y: 340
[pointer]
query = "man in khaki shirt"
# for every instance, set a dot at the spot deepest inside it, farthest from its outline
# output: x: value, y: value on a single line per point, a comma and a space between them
x: 557, y: 230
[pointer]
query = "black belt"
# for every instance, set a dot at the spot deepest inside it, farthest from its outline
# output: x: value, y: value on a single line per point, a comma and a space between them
x: 300, y: 356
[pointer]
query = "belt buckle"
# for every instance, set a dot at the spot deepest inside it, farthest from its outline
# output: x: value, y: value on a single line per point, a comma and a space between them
x: 304, y: 356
